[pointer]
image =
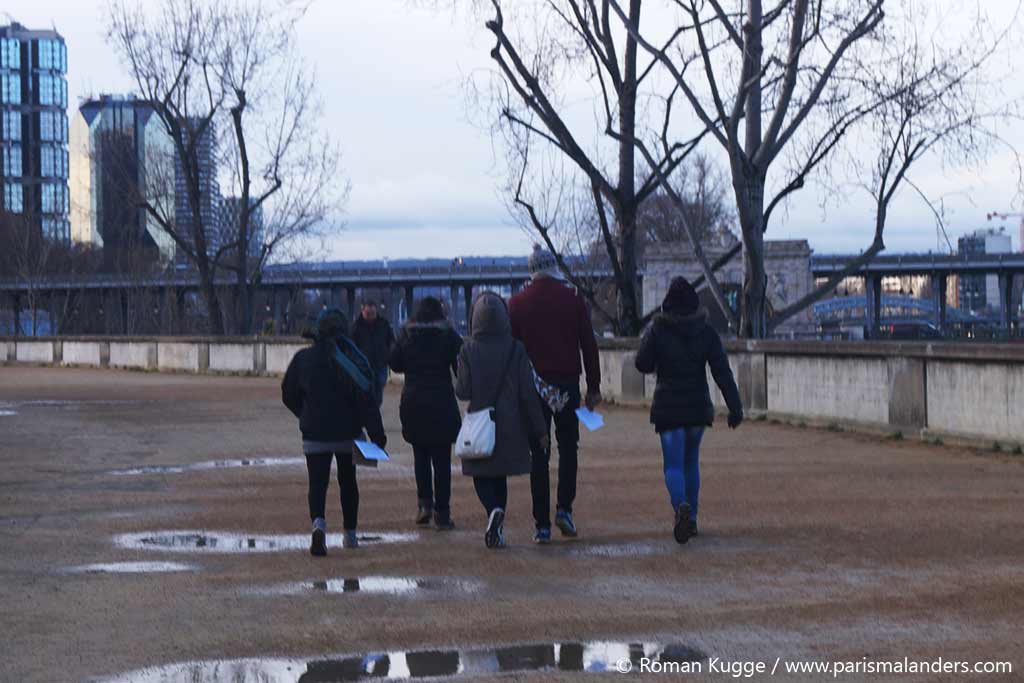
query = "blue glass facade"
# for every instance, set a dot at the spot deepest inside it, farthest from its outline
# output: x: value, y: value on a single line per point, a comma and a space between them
x: 34, y: 128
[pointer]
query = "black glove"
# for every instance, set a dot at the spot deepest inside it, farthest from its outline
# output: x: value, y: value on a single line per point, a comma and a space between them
x: 735, y: 419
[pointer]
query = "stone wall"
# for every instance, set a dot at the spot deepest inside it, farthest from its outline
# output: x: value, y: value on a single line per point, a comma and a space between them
x: 972, y: 392
x: 967, y: 391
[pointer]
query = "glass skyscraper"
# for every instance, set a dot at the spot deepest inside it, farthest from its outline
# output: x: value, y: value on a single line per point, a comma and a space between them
x: 34, y: 131
x: 121, y: 154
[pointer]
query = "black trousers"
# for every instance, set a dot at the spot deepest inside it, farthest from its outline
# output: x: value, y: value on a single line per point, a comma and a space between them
x: 492, y: 492
x: 434, y: 476
x: 567, y: 434
x: 319, y: 468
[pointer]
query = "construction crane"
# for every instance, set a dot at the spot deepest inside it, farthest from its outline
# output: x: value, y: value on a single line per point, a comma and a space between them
x: 1004, y: 216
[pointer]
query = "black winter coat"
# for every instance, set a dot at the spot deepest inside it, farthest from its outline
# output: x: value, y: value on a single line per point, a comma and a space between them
x: 374, y: 340
x: 427, y: 354
x: 329, y: 405
x: 679, y: 348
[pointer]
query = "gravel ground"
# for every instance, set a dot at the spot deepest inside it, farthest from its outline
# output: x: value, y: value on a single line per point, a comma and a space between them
x: 815, y: 545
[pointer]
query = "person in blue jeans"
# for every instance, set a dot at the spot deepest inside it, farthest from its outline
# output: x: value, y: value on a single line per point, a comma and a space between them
x: 679, y: 345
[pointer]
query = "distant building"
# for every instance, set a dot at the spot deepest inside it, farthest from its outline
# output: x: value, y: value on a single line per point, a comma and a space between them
x: 209, y: 189
x: 978, y: 292
x: 120, y: 153
x: 229, y: 223
x: 34, y: 130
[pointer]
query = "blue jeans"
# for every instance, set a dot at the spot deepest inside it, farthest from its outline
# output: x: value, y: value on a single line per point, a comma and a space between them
x: 681, y: 451
x: 380, y: 381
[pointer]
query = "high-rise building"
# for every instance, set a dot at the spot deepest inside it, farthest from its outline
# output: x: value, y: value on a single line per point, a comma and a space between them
x: 121, y: 154
x: 34, y: 130
x: 231, y: 214
x: 978, y: 292
x: 209, y: 188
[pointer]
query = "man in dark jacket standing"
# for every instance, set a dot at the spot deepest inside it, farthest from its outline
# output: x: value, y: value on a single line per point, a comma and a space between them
x: 552, y: 321
x: 373, y: 335
x: 333, y: 407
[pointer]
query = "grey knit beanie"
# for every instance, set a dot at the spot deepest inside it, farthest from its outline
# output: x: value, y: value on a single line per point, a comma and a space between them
x: 542, y: 262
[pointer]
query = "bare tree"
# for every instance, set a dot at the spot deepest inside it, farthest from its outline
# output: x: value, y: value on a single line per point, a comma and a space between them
x: 209, y: 67
x: 284, y: 170
x: 795, y: 84
x: 33, y: 261
x: 544, y: 50
x: 706, y: 206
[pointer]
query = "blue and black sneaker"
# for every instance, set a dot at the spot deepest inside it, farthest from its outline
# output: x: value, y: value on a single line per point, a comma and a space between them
x: 563, y: 520
x: 494, y: 537
x: 543, y: 536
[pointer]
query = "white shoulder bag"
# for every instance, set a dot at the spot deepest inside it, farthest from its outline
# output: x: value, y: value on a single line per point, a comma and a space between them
x: 477, y: 435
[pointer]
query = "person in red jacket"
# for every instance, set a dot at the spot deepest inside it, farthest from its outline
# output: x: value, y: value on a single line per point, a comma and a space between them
x: 552, y: 321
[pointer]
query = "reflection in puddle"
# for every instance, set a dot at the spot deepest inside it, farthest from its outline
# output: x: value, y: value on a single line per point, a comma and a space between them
x: 132, y: 568
x: 7, y: 413
x: 586, y: 657
x: 209, y: 465
x: 390, y: 585
x: 232, y: 542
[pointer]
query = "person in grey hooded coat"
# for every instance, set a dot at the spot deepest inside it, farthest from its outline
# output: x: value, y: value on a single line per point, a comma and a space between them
x: 517, y: 409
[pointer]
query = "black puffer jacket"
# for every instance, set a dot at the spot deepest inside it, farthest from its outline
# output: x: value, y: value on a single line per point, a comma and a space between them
x: 374, y: 340
x: 679, y: 348
x: 329, y: 405
x: 427, y: 354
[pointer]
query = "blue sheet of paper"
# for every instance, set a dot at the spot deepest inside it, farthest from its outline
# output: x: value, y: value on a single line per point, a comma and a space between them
x: 591, y: 420
x: 371, y: 451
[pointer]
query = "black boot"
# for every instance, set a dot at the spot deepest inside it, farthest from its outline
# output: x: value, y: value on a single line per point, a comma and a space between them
x: 681, y: 530
x: 426, y: 511
x: 443, y: 521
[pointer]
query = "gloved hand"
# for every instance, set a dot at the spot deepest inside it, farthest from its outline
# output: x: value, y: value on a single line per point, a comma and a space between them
x: 593, y: 399
x: 735, y: 419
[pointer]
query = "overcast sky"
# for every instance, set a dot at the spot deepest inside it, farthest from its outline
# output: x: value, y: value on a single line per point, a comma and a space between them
x: 425, y: 179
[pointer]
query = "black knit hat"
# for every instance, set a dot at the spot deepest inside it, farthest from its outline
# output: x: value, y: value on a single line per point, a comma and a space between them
x: 332, y: 322
x: 681, y: 298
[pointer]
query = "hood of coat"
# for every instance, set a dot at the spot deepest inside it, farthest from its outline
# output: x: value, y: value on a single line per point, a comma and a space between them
x: 490, y: 317
x: 687, y: 325
x: 436, y: 325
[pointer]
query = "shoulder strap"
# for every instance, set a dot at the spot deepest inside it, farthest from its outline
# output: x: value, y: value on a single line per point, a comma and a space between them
x: 353, y: 362
x: 504, y: 374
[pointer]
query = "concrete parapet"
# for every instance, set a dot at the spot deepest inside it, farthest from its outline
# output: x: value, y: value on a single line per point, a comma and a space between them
x: 136, y: 355
x: 183, y: 356
x: 233, y: 357
x: 82, y: 353
x: 972, y: 391
x: 277, y: 356
x: 35, y: 351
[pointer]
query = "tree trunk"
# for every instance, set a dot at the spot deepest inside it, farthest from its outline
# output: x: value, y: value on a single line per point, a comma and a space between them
x: 209, y: 291
x: 750, y: 197
x: 627, y: 310
x: 753, y: 309
x: 626, y: 206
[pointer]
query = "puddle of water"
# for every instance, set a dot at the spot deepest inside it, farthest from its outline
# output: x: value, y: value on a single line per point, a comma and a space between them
x: 388, y: 585
x: 618, y: 549
x: 209, y: 465
x: 7, y: 413
x: 233, y: 542
x: 591, y: 657
x: 57, y: 403
x: 132, y: 568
